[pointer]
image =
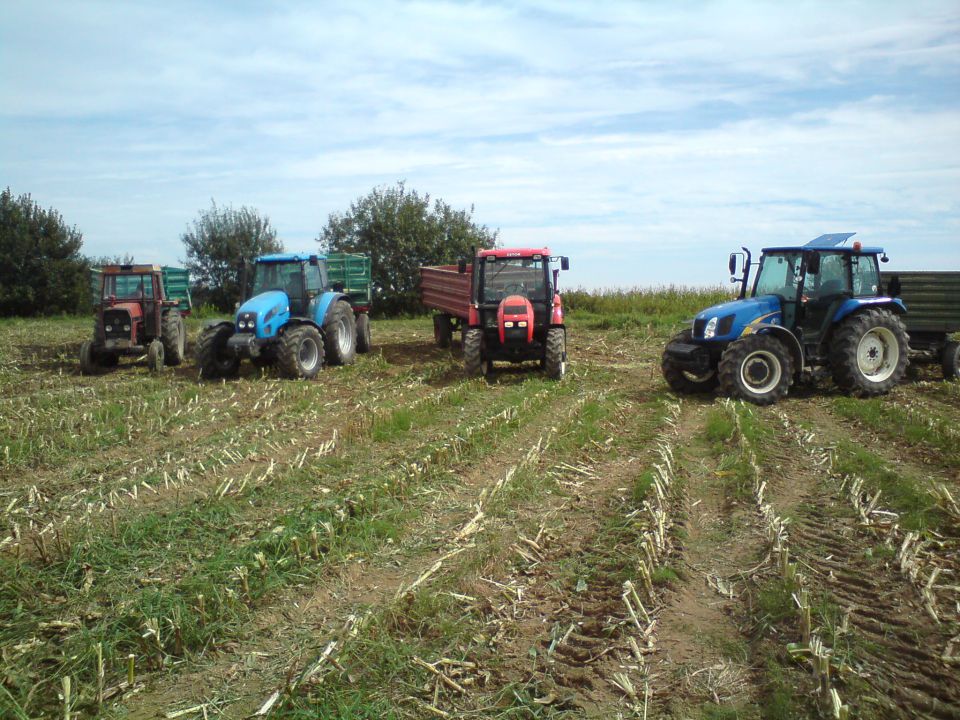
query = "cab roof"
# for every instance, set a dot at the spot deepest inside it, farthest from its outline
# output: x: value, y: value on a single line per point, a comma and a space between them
x: 514, y: 252
x: 831, y: 242
x: 130, y: 269
x: 289, y: 257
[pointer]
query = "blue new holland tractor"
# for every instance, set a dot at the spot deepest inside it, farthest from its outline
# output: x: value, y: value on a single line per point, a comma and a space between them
x: 305, y: 310
x: 820, y: 305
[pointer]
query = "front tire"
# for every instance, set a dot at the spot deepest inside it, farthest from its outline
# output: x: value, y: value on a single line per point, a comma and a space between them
x: 88, y: 359
x: 340, y: 334
x: 951, y: 361
x: 682, y: 380
x: 473, y: 352
x: 868, y: 355
x: 756, y: 368
x: 555, y: 358
x: 174, y: 336
x: 213, y: 357
x: 155, y: 356
x: 364, y: 342
x: 301, y: 353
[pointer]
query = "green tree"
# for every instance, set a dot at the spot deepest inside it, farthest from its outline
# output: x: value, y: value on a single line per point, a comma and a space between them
x: 218, y: 241
x: 400, y: 230
x: 41, y: 268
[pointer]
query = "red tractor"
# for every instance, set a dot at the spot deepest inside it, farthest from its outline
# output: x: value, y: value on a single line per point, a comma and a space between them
x: 507, y: 306
x: 139, y: 309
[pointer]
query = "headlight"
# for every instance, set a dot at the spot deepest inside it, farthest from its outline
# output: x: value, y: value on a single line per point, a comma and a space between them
x: 108, y: 328
x: 241, y: 324
x: 711, y: 329
x: 127, y: 328
x: 522, y: 323
x: 508, y: 323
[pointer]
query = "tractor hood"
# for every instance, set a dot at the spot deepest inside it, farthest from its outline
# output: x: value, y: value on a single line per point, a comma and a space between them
x: 729, y: 320
x: 264, y: 314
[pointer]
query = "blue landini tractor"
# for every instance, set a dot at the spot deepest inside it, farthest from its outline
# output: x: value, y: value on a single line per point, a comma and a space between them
x: 305, y: 310
x: 820, y: 305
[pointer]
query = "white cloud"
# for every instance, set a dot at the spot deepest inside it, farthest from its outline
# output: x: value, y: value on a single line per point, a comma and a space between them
x: 673, y: 129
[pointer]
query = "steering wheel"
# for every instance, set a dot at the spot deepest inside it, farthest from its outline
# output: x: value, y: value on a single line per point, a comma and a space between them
x: 517, y: 288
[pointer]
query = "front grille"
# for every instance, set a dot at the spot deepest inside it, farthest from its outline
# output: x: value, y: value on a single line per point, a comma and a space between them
x: 698, y: 325
x: 116, y: 320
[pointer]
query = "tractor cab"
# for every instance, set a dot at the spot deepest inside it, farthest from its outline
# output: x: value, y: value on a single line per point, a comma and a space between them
x: 806, y: 289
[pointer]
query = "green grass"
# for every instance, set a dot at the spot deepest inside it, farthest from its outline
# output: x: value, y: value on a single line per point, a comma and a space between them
x: 901, y: 490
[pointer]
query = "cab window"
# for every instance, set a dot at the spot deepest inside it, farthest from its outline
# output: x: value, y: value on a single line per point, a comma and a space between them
x: 866, y: 276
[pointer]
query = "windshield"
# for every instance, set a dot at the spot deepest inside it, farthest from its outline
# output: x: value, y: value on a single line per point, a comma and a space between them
x: 513, y: 276
x: 287, y: 277
x: 128, y: 286
x: 779, y: 275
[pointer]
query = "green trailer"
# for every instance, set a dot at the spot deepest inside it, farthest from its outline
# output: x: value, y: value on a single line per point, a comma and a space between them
x: 933, y: 314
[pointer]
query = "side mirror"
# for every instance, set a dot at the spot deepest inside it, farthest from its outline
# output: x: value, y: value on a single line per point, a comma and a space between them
x: 732, y: 265
x: 462, y: 266
x: 813, y: 263
x: 884, y: 258
x: 564, y: 263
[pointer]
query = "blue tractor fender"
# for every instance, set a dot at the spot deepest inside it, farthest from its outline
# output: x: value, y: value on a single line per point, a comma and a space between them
x: 787, y: 338
x: 854, y: 304
x: 320, y: 306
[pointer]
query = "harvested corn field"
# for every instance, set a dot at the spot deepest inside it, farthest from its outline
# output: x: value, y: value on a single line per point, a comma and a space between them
x: 393, y: 540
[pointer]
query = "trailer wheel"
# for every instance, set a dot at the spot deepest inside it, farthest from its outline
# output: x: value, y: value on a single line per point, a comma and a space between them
x: 173, y: 333
x: 473, y: 352
x: 442, y: 330
x: 155, y: 355
x: 868, y: 355
x: 364, y: 342
x: 88, y: 360
x: 213, y: 357
x: 951, y: 361
x: 555, y: 357
x: 682, y: 380
x: 301, y: 352
x: 340, y: 334
x: 756, y: 368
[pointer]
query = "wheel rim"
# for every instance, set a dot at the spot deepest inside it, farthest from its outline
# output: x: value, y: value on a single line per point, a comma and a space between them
x: 702, y: 378
x: 307, y: 354
x: 878, y: 354
x: 343, y: 336
x: 760, y: 371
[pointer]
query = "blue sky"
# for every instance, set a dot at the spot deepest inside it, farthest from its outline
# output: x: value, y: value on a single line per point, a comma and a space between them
x: 646, y: 140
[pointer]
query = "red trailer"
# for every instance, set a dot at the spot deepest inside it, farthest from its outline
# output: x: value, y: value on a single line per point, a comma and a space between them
x: 506, y: 304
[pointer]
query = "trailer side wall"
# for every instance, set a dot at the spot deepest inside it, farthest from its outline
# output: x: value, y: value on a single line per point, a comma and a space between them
x: 445, y: 289
x: 932, y: 299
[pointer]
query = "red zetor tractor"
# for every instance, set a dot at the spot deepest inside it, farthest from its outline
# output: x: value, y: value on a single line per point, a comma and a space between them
x: 507, y: 306
x: 139, y: 309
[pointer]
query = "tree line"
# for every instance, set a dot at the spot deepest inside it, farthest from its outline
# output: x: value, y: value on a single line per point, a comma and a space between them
x: 43, y: 270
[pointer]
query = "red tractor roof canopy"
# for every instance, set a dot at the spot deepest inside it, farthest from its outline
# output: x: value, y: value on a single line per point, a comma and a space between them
x: 514, y: 252
x: 129, y: 269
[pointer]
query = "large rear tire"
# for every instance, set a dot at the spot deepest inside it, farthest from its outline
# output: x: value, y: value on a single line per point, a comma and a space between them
x: 555, y: 357
x: 951, y: 361
x: 340, y: 334
x: 682, y: 380
x: 756, y: 368
x: 364, y: 342
x: 473, y: 352
x: 868, y: 354
x: 174, y: 336
x: 213, y: 357
x: 155, y: 356
x: 442, y: 330
x: 301, y: 353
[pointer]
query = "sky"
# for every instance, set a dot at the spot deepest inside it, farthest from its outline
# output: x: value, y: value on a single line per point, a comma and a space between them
x: 645, y: 140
